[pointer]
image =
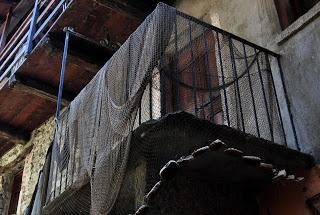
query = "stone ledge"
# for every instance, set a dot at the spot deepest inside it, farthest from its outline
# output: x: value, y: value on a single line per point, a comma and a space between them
x: 298, y: 25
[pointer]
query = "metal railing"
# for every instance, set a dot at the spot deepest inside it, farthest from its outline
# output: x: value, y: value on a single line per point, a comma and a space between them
x: 221, y: 77
x: 31, y: 32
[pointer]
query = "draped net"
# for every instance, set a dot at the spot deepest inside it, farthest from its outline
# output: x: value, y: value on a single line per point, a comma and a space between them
x: 169, y: 63
x: 100, y: 119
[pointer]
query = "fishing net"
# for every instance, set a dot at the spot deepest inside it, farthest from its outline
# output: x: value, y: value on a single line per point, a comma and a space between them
x: 171, y: 62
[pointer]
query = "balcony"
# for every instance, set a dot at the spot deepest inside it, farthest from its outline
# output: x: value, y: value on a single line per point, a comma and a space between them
x: 228, y: 89
x: 30, y: 61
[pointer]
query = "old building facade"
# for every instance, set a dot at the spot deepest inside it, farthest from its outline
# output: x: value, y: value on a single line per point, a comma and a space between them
x: 294, y: 35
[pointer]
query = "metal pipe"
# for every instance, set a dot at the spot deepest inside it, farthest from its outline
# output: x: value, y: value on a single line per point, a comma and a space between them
x: 63, y: 68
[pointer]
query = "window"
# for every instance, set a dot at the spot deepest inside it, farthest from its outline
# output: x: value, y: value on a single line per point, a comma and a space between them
x: 16, y: 187
x: 290, y: 10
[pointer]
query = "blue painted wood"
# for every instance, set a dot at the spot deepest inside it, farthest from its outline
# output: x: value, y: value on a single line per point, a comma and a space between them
x: 49, y: 18
x: 32, y: 26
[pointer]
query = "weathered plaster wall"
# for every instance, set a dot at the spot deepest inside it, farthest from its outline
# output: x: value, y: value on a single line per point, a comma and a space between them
x: 255, y: 20
x: 300, y: 59
x: 33, y: 162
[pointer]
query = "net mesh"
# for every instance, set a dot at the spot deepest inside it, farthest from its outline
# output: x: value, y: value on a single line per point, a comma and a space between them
x: 170, y: 63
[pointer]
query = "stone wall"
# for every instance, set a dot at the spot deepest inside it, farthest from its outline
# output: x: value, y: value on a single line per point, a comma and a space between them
x: 42, y: 137
x: 5, y: 193
x: 34, y: 152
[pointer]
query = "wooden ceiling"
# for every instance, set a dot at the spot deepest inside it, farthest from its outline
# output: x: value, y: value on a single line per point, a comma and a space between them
x: 30, y: 99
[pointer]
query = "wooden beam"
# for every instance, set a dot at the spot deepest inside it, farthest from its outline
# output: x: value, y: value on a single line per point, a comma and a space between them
x: 19, y: 12
x: 135, y: 8
x: 8, y: 1
x: 39, y: 89
x: 5, y: 29
x: 32, y: 29
x: 83, y: 47
x: 39, y: 93
x: 14, y: 135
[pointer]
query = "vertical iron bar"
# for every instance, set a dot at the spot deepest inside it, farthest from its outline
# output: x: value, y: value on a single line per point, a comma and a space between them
x: 235, y: 73
x: 57, y: 173
x: 277, y: 101
x: 60, y: 187
x: 264, y: 95
x: 139, y: 112
x: 177, y: 85
x: 288, y: 104
x: 236, y: 103
x: 67, y: 167
x: 75, y: 141
x: 193, y: 71
x: 162, y: 92
x: 33, y: 24
x: 74, y: 159
x: 163, y: 85
x: 150, y: 98
x: 49, y: 187
x: 251, y: 90
x: 47, y: 170
x: 63, y: 67
x: 223, y: 81
x: 128, y: 69
x: 56, y: 170
x: 67, y: 172
x: 207, y: 71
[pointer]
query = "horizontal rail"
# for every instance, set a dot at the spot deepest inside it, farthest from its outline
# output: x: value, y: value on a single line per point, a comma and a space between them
x: 22, y: 29
x: 233, y: 36
x: 15, y: 49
